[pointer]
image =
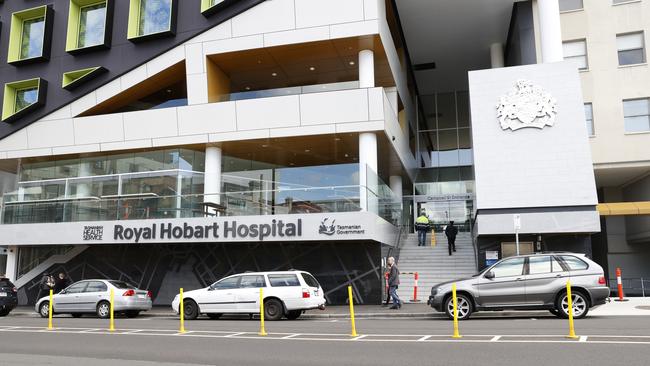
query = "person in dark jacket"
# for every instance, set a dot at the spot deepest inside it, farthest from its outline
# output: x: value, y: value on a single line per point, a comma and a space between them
x: 393, y: 283
x: 451, y: 231
x: 47, y: 283
x: 61, y: 283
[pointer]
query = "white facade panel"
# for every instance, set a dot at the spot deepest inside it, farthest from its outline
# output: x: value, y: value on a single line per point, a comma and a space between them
x: 339, y: 107
x: 274, y: 112
x: 49, y: 133
x: 297, y: 36
x: 134, y: 144
x: 150, y: 124
x: 354, y: 29
x: 207, y: 118
x: 98, y: 129
x: 310, y: 13
x: 166, y: 60
x: 15, y: 141
x: 269, y: 16
x: 109, y: 90
x: 134, y: 77
x: 75, y: 149
x: 83, y: 104
x: 197, y: 89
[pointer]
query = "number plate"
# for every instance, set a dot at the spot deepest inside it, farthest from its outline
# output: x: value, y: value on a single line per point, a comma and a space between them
x: 3, y: 294
x: 141, y: 296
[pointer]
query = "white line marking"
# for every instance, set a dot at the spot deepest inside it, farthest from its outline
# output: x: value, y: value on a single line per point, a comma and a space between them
x: 132, y: 331
x: 424, y: 338
x: 582, y: 339
x: 235, y: 335
x: 359, y: 337
x: 89, y: 330
x: 495, y: 339
x: 180, y: 334
x: 291, y: 336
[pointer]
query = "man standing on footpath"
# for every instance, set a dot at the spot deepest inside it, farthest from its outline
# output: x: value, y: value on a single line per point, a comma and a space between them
x: 393, y: 283
x: 422, y: 226
x: 451, y: 231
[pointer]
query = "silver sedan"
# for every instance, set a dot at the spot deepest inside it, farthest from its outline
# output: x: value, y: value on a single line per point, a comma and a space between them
x: 93, y: 297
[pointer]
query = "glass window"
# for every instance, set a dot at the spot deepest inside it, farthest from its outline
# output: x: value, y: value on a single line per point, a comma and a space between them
x: 31, y: 42
x: 77, y: 288
x: 122, y: 285
x: 310, y: 280
x: 227, y: 283
x: 556, y: 266
x: 574, y: 263
x: 92, y: 23
x: 589, y: 117
x: 637, y: 115
x: 155, y: 16
x: 568, y: 5
x: 284, y: 280
x: 630, y: 48
x: 539, y: 265
x: 576, y: 52
x: 252, y: 281
x: 25, y: 98
x: 509, y: 267
x: 96, y: 286
x: 624, y: 1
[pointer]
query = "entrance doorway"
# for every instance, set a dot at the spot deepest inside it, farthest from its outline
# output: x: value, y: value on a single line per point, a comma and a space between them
x: 509, y: 249
x: 441, y: 212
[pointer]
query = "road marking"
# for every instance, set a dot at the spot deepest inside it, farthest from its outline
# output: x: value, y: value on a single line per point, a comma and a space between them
x: 132, y: 331
x: 291, y: 336
x: 180, y: 333
x: 235, y: 335
x: 582, y: 339
x: 495, y: 339
x: 359, y: 337
x: 89, y: 330
x: 424, y: 338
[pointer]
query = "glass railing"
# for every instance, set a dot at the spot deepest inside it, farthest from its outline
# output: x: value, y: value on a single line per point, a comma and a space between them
x: 145, y: 206
x: 296, y: 90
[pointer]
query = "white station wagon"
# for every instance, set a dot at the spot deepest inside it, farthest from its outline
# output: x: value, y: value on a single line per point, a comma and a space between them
x: 286, y: 293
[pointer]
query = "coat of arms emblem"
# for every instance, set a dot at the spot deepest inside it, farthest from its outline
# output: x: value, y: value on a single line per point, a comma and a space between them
x: 527, y: 105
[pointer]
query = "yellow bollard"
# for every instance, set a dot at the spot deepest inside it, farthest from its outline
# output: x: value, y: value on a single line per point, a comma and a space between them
x: 181, y: 310
x: 112, y: 324
x: 572, y: 331
x: 354, y: 326
x: 262, y: 329
x: 455, y: 303
x: 49, y: 314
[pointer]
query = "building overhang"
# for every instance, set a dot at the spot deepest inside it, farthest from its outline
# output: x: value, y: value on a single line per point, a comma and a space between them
x: 624, y: 208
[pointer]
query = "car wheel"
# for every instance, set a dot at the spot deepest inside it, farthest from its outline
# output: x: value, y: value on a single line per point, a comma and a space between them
x: 580, y: 305
x: 294, y: 314
x: 132, y: 314
x: 273, y: 309
x: 76, y: 315
x: 4, y: 312
x: 214, y: 316
x: 190, y: 309
x: 103, y: 310
x: 464, y: 306
x: 44, y: 309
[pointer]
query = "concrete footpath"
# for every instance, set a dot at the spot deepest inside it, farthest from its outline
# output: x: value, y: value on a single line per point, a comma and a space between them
x: 635, y: 306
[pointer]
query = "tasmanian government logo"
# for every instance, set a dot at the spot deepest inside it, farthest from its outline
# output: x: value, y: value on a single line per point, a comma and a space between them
x: 527, y: 105
x: 93, y: 233
x: 326, y: 229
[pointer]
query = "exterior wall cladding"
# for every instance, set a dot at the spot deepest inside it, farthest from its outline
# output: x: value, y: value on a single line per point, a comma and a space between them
x: 122, y: 56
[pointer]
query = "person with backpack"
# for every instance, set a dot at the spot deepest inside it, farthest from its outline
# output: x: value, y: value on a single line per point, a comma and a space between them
x: 422, y: 226
x: 451, y: 231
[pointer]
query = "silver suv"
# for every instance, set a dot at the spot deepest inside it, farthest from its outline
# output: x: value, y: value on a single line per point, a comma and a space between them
x: 527, y: 282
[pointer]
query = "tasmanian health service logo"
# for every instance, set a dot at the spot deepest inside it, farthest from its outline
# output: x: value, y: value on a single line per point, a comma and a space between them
x: 326, y: 229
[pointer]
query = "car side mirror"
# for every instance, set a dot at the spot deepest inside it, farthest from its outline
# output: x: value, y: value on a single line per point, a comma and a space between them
x: 489, y: 275
x: 62, y: 292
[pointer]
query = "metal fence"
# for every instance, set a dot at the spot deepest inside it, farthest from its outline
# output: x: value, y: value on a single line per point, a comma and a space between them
x: 631, y: 286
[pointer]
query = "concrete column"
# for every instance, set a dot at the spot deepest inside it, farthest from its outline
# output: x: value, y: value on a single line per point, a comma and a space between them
x: 496, y: 55
x: 550, y: 30
x: 12, y: 263
x: 366, y: 69
x: 212, y: 177
x: 395, y: 182
x: 367, y: 161
x: 83, y: 189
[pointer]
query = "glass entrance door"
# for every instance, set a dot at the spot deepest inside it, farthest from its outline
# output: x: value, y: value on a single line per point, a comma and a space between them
x: 441, y: 212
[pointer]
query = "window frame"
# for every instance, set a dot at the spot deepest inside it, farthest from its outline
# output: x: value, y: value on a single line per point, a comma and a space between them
x: 624, y: 2
x: 586, y: 55
x: 592, y: 132
x: 208, y: 8
x: 523, y: 266
x: 643, y: 49
x: 133, y: 31
x: 18, y: 20
x: 582, y: 8
x: 637, y: 115
x: 74, y: 78
x: 74, y: 26
x: 9, y: 112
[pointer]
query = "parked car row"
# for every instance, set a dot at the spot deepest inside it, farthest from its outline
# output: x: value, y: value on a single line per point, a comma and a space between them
x: 8, y: 296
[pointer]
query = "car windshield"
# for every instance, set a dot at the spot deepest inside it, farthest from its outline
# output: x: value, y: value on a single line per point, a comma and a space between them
x: 122, y: 285
x: 6, y: 283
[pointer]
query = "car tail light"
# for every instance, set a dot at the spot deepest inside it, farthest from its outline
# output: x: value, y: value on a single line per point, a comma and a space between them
x: 305, y: 293
x: 14, y: 289
x: 601, y: 280
x: 150, y: 294
x: 129, y: 292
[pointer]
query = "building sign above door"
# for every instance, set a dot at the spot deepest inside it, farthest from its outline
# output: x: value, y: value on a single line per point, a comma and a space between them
x: 527, y: 105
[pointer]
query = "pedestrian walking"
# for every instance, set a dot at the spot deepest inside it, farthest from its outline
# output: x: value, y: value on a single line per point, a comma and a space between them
x: 422, y: 226
x: 393, y: 283
x: 61, y: 283
x: 451, y: 231
x: 47, y: 284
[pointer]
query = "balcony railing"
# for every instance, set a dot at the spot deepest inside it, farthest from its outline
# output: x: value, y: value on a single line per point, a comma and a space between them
x: 296, y: 90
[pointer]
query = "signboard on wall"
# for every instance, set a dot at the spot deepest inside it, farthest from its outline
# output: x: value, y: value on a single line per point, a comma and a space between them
x: 491, y: 257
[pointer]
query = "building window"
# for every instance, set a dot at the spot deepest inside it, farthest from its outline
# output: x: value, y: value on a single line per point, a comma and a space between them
x: 576, y: 51
x: 616, y: 2
x: 20, y: 97
x: 589, y: 117
x: 30, y: 35
x: 148, y: 18
x: 209, y: 7
x: 89, y: 25
x: 637, y: 115
x: 630, y: 48
x: 568, y: 5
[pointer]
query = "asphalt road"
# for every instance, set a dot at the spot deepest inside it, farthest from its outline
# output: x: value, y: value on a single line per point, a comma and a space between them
x: 411, y: 341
